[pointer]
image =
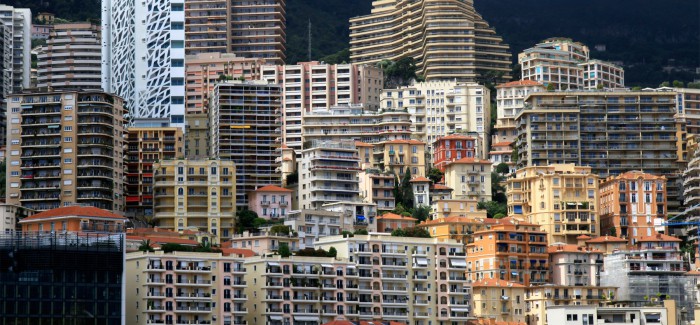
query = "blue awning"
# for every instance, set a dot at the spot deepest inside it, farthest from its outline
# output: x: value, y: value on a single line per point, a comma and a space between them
x: 514, y: 273
x: 360, y: 218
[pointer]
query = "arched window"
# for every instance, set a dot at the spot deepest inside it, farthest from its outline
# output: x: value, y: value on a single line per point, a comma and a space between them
x: 180, y: 191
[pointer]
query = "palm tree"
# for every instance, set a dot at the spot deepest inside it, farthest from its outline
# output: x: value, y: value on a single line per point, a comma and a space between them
x: 146, y: 246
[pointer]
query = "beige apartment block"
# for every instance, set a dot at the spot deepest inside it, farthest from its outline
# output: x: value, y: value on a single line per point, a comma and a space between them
x: 598, y: 74
x: 574, y: 265
x: 499, y: 300
x: 356, y: 123
x: 146, y: 146
x: 197, y: 136
x: 71, y: 58
x: 539, y: 298
x: 328, y: 172
x: 245, y: 127
x: 250, y: 29
x: 613, y: 132
x: 633, y: 205
x: 203, y: 71
x: 401, y: 156
x: 307, y: 86
x: 196, y: 194
x: 65, y: 148
x: 448, y: 40
x: 263, y: 242
x: 441, y: 108
x: 187, y: 287
x: 366, y: 152
x: 470, y: 178
x: 447, y: 207
x: 378, y: 187
x: 510, y: 98
x: 562, y: 199
x: 411, y: 280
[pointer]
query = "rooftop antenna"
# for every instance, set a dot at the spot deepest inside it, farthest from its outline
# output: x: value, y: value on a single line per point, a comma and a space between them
x: 309, y: 49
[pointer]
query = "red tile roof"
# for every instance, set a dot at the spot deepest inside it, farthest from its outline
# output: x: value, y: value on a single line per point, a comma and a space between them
x: 237, y: 251
x: 520, y: 83
x: 502, y: 144
x: 363, y: 144
x: 470, y: 160
x: 440, y: 187
x: 606, y: 238
x: 420, y: 179
x: 455, y: 137
x: 272, y: 188
x: 77, y: 211
x: 658, y: 238
x: 394, y: 216
x: 496, y: 283
x: 583, y: 237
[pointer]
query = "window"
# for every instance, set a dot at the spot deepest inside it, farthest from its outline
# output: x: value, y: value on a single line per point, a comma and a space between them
x: 67, y: 107
x: 68, y: 139
x: 177, y: 44
x: 213, y: 170
x: 177, y: 26
x: 177, y: 63
x: 68, y: 128
x: 178, y: 7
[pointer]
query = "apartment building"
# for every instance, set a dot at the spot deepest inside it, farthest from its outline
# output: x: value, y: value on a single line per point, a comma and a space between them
x: 410, y: 280
x: 691, y: 193
x: 665, y: 314
x: 606, y: 244
x: 207, y: 26
x: 15, y: 47
x: 354, y: 122
x: 270, y: 202
x: 328, y: 172
x: 258, y: 29
x: 510, y: 99
x: 639, y: 129
x: 688, y: 106
x: 441, y: 108
x: 77, y: 256
x: 652, y: 268
x: 245, y: 127
x: 401, y: 156
x: 598, y: 74
x: 425, y: 31
x: 195, y: 194
x: 575, y: 266
x: 366, y: 152
x: 511, y: 250
x: 74, y: 219
x: 447, y: 207
x: 71, y: 58
x: 562, y: 199
x: 263, y: 242
x: 10, y: 214
x: 301, y: 290
x: 307, y: 86
x: 362, y: 214
x: 457, y: 228
x: 539, y: 299
x: 181, y: 287
x: 65, y: 148
x: 453, y: 147
x: 502, y: 153
x: 145, y: 66
x: 310, y: 225
x: 378, y: 187
x: 499, y: 300
x: 197, y: 137
x: 421, y: 191
x: 633, y: 205
x: 146, y: 146
x: 389, y: 222
x: 470, y: 178
x: 439, y: 192
x: 204, y: 70
x: 566, y: 64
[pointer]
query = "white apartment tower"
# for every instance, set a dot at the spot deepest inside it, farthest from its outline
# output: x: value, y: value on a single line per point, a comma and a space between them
x: 143, y: 56
x: 16, y: 25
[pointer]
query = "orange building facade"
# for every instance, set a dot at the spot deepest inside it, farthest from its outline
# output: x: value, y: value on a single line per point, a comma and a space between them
x: 389, y: 222
x: 453, y: 147
x: 74, y: 219
x: 631, y: 203
x: 510, y: 250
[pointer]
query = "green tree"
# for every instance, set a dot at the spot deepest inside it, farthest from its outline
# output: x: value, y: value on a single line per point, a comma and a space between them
x: 514, y: 156
x: 496, y: 184
x: 613, y: 232
x: 407, y: 190
x: 2, y: 178
x: 284, y: 250
x: 636, y: 88
x: 245, y: 219
x: 499, y: 216
x: 332, y: 252
x: 398, y: 198
x: 678, y: 84
x: 146, y: 246
x: 292, y: 178
x: 398, y: 73
x: 361, y: 232
x: 340, y: 57
x: 665, y: 84
x: 347, y: 234
x: 503, y: 168
x: 435, y: 175
x: 169, y: 248
x: 398, y: 233
x: 421, y: 213
x: 411, y: 232
x: 694, y: 85
x: 599, y: 86
x: 551, y: 87
x: 493, y: 208
x: 280, y: 230
x: 259, y: 222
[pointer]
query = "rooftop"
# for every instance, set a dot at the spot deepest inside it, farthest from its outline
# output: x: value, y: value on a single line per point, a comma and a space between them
x: 74, y: 211
x: 496, y: 283
x: 394, y: 216
x: 470, y: 160
x: 272, y: 188
x: 520, y: 83
x: 420, y: 179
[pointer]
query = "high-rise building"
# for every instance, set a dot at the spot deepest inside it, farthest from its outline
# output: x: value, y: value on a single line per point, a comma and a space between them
x: 71, y: 58
x: 510, y: 98
x: 65, y: 148
x: 245, y: 124
x: 611, y: 131
x: 566, y: 64
x: 195, y: 193
x: 16, y: 26
x: 249, y: 29
x: 205, y: 70
x: 441, y: 108
x: 448, y: 40
x: 688, y: 107
x: 145, y: 147
x: 562, y: 199
x: 197, y: 136
x: 632, y: 205
x: 143, y: 56
x: 328, y: 172
x: 307, y: 86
